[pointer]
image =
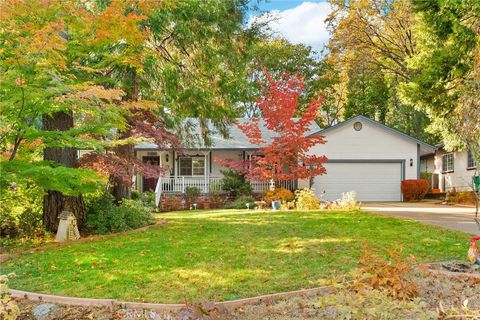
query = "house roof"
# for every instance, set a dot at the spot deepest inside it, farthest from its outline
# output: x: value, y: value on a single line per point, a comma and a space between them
x: 425, y: 148
x: 235, y: 141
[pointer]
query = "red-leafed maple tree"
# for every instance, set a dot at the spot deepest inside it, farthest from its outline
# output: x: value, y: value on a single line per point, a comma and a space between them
x: 284, y: 156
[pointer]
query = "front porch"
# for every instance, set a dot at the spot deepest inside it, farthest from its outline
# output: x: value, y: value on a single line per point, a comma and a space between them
x: 178, y: 185
x: 196, y: 168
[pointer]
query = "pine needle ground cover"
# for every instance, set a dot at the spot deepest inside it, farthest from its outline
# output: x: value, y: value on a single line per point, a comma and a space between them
x: 227, y: 254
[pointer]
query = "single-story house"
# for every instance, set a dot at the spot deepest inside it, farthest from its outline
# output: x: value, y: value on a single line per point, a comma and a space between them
x: 195, y: 165
x: 364, y: 156
x: 449, y: 170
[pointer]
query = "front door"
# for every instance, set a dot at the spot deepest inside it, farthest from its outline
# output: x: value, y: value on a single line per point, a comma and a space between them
x: 149, y: 184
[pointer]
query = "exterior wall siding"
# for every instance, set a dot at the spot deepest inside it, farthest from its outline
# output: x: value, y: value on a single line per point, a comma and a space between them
x: 428, y: 164
x: 223, y: 155
x: 460, y: 178
x: 370, y: 143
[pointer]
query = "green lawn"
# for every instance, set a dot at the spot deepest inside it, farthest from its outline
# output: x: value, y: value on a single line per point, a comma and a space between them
x: 225, y: 255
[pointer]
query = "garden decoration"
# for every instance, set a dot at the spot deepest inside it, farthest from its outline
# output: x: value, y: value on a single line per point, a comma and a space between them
x: 473, y: 253
x: 476, y: 183
x: 276, y: 204
x: 67, y: 228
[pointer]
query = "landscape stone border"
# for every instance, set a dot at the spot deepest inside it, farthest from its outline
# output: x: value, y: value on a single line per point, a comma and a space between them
x: 166, y: 307
x: 229, y: 305
x: 7, y: 256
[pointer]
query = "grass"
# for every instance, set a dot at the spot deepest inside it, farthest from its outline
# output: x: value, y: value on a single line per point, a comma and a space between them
x: 225, y: 255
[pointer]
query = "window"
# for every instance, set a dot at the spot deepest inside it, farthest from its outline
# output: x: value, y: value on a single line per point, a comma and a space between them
x: 471, y: 163
x: 192, y: 166
x: 447, y: 162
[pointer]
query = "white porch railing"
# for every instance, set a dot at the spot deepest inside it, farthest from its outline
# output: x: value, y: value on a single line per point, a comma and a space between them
x: 260, y: 186
x: 180, y: 184
x: 208, y: 184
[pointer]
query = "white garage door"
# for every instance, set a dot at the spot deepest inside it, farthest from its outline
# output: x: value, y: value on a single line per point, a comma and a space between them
x: 371, y: 181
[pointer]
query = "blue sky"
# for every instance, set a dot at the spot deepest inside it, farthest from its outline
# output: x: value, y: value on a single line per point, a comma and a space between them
x: 282, y: 4
x: 299, y: 21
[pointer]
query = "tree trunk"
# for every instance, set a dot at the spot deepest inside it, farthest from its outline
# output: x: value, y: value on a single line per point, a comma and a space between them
x: 120, y: 189
x: 55, y: 202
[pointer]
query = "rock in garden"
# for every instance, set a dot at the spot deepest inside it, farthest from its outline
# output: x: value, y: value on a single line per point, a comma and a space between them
x: 43, y: 310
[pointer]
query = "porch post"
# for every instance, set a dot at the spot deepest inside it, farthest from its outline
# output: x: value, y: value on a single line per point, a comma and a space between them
x: 249, y: 157
x: 205, y: 172
x: 174, y: 161
x: 160, y: 163
x: 158, y: 188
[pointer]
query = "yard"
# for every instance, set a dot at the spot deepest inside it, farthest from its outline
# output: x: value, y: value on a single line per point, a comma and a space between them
x: 228, y: 254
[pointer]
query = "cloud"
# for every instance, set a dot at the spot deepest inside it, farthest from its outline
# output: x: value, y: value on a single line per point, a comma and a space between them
x: 304, y: 23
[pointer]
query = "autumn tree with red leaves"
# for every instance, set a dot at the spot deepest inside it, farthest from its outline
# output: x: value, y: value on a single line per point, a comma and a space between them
x: 285, y: 155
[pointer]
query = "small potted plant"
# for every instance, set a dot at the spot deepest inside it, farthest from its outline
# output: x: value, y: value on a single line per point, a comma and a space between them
x: 276, y: 204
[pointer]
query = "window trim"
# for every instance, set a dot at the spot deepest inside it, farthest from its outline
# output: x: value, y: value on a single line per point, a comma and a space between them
x: 470, y: 155
x: 453, y: 163
x: 192, y: 175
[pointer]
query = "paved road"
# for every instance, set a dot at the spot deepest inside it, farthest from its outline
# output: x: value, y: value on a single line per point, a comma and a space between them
x: 431, y: 212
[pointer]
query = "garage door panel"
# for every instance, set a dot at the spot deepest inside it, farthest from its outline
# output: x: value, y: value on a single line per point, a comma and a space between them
x: 371, y: 181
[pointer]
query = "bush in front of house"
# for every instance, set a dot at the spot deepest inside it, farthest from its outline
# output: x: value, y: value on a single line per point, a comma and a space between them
x: 241, y: 203
x: 146, y: 197
x: 192, y: 193
x: 282, y: 194
x: 235, y: 184
x: 414, y: 189
x: 306, y: 199
x: 103, y: 216
x: 462, y: 197
x: 347, y: 202
x: 20, y: 211
x: 427, y: 176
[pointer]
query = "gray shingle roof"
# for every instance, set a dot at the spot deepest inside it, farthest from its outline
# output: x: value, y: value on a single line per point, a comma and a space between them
x: 236, y: 139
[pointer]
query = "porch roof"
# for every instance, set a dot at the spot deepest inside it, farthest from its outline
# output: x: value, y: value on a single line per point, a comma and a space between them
x: 236, y: 139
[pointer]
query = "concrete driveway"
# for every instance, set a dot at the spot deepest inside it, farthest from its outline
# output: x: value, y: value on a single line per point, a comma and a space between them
x: 430, y: 212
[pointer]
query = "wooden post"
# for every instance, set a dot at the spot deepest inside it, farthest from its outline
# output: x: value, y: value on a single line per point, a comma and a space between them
x: 205, y: 174
x: 174, y: 164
